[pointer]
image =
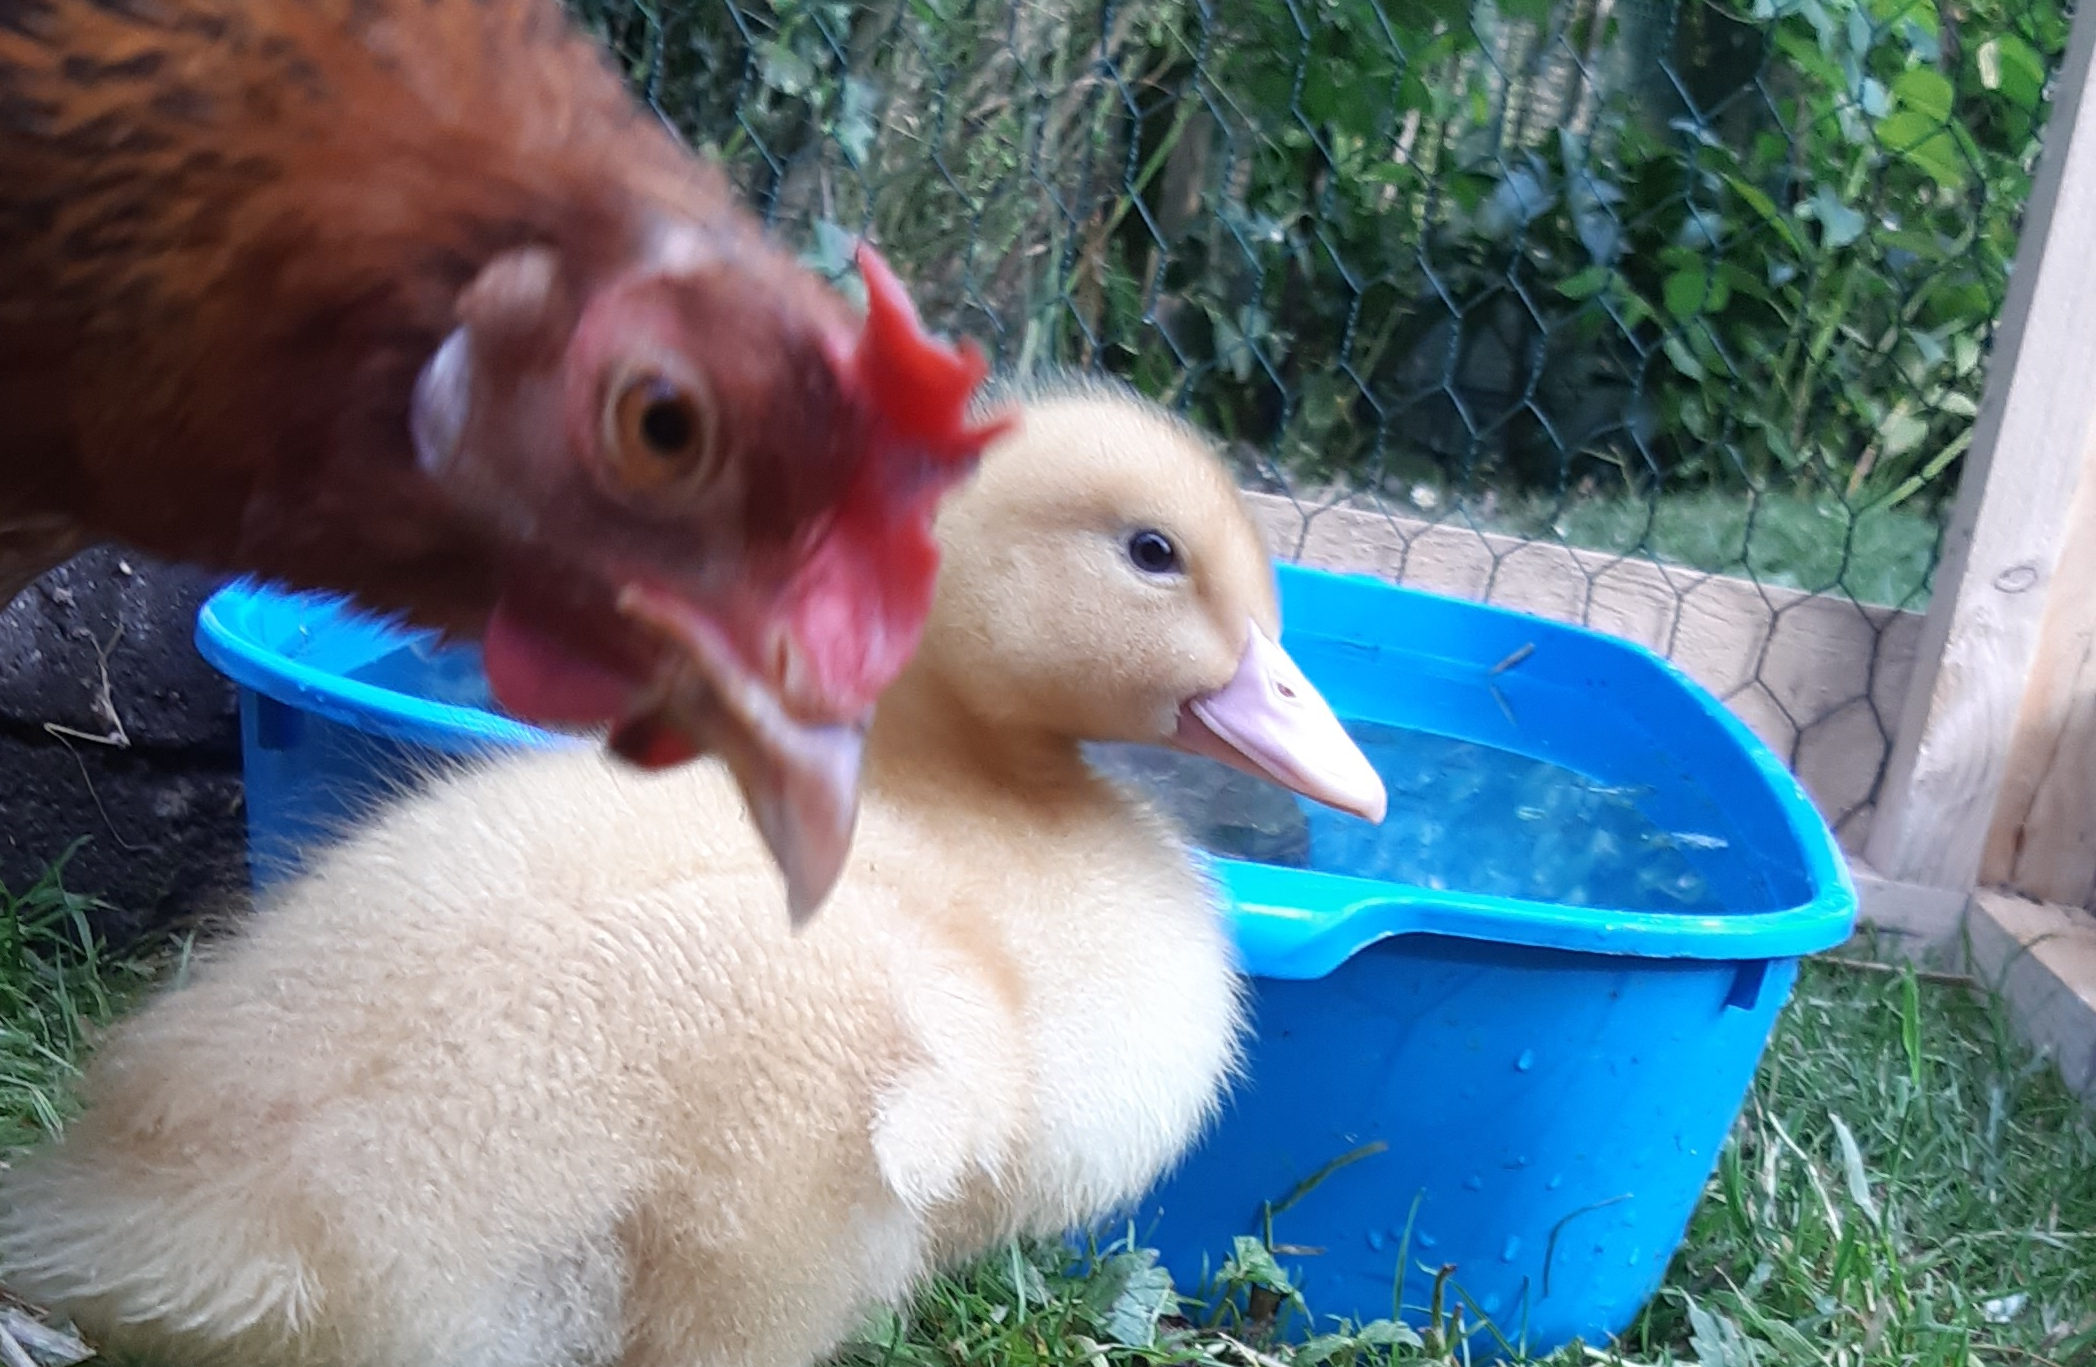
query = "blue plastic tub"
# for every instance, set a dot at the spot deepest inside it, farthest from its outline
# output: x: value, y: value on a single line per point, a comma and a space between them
x: 338, y: 709
x: 1525, y: 1072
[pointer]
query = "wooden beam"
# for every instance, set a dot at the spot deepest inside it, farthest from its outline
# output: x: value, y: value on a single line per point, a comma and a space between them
x: 2043, y: 839
x: 1913, y: 921
x: 2042, y: 959
x: 2029, y: 454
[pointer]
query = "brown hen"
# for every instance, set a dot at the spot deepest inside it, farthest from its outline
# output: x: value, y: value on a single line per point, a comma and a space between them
x: 409, y: 299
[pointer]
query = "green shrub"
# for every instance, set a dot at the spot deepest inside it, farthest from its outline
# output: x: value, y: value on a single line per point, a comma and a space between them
x: 1605, y: 247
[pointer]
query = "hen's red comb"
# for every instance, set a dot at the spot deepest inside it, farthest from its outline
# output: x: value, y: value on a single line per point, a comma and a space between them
x: 920, y: 384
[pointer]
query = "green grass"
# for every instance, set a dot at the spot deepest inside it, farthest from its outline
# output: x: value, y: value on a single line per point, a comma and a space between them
x: 57, y: 989
x: 1955, y: 1222
x: 1820, y: 545
x: 1907, y: 1187
x: 1880, y: 555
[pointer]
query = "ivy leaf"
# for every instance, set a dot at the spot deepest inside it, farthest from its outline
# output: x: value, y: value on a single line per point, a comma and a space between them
x: 1839, y: 225
x: 855, y: 124
x: 1861, y: 32
x: 1586, y: 284
x: 1391, y: 173
x: 1252, y: 1263
x: 1323, y: 1349
x: 1927, y: 144
x: 1718, y: 1341
x: 1684, y: 361
x: 832, y: 251
x: 1852, y: 1168
x: 1924, y: 90
x: 1388, y: 1334
x: 1600, y: 234
x: 1695, y: 291
x: 1764, y: 207
x: 2006, y: 63
x: 1134, y: 1293
x: 784, y: 70
x: 1901, y: 432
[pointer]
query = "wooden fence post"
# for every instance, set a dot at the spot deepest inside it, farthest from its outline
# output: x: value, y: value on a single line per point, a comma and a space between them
x: 2042, y: 840
x: 2022, y: 480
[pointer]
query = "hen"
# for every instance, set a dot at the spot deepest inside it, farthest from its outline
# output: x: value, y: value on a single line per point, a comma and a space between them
x: 410, y: 299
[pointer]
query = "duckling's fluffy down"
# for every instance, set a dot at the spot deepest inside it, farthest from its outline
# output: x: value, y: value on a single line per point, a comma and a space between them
x: 529, y: 1073
x: 532, y: 1069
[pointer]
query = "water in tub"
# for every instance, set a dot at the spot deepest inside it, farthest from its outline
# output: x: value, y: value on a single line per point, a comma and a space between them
x: 1463, y: 817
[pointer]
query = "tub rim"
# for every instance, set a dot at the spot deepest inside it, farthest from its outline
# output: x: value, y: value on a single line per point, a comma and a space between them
x: 225, y: 638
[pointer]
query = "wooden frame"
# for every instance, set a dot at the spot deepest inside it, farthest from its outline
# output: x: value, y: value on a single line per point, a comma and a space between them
x: 2042, y: 960
x: 1997, y: 669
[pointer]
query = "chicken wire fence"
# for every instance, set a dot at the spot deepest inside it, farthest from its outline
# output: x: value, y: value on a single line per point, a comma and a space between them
x: 1664, y: 316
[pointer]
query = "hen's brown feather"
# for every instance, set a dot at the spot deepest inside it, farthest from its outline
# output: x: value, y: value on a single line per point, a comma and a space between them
x: 231, y: 231
x: 383, y: 296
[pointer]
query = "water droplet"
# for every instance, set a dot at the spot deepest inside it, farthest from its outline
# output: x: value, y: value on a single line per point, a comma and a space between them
x: 1427, y: 1240
x: 1512, y: 1249
x: 1557, y: 1180
x: 1490, y: 1304
x: 1375, y: 1240
x: 1474, y: 1182
x: 1526, y: 1061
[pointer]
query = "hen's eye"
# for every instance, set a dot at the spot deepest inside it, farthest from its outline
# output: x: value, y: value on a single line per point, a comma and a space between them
x: 668, y: 425
x: 1152, y: 552
x: 659, y: 432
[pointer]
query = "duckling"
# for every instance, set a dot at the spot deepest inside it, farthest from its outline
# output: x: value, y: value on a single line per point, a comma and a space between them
x: 501, y: 1081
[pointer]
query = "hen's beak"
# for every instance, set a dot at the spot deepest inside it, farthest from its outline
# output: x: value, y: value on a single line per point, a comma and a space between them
x: 1272, y: 723
x: 800, y: 779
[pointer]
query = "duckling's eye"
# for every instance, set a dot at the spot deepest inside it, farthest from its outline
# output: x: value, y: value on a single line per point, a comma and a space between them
x: 1152, y: 552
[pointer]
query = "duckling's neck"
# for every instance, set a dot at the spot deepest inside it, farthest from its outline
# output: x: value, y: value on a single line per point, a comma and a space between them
x: 923, y: 734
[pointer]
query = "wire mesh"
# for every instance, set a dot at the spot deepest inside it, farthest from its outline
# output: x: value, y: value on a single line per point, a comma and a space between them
x: 1664, y: 316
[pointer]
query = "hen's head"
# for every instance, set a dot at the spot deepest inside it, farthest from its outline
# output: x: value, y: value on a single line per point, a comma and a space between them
x: 712, y: 489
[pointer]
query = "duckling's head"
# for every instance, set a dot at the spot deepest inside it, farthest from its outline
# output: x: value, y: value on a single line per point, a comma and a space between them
x: 1103, y: 581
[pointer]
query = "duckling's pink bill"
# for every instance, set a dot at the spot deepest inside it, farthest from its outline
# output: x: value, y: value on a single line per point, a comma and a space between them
x: 1271, y: 722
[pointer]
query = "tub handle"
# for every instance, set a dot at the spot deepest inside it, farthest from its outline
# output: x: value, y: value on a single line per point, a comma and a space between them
x: 276, y: 725
x: 1746, y: 985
